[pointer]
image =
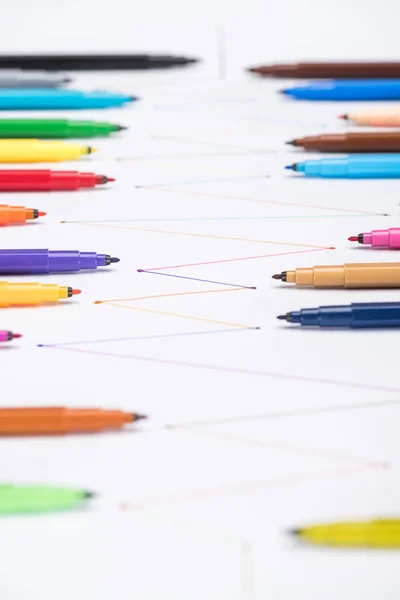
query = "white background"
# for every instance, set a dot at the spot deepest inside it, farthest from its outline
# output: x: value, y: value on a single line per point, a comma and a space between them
x: 206, y: 509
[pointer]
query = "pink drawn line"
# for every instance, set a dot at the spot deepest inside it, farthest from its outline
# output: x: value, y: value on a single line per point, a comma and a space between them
x: 260, y: 200
x: 222, y: 369
x: 212, y: 262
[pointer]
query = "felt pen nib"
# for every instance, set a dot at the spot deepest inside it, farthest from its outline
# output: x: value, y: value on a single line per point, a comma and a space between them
x: 281, y: 317
x: 42, y: 213
x: 295, y: 532
x: 121, y: 127
x: 16, y: 336
x: 285, y: 91
x: 76, y: 292
x: 344, y: 117
x: 353, y: 238
x: 291, y: 143
x: 89, y: 495
x: 114, y: 259
x: 291, y: 167
x: 137, y: 417
x: 277, y: 276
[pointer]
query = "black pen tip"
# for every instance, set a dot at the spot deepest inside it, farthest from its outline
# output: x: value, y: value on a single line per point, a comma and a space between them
x: 67, y: 80
x: 295, y: 532
x: 88, y: 495
x: 285, y: 91
x: 291, y: 143
x: 138, y: 417
x: 121, y: 127
x: 281, y: 317
x: 277, y: 276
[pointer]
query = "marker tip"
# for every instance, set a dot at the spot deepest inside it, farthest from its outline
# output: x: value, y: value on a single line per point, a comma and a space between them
x: 76, y: 292
x: 281, y: 317
x: 17, y: 335
x: 277, y: 276
x: 42, y: 213
x: 353, y: 238
x: 291, y: 167
x: 110, y: 179
x: 344, y: 117
x: 114, y: 259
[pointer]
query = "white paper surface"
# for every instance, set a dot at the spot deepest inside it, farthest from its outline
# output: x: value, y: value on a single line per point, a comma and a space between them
x: 273, y: 427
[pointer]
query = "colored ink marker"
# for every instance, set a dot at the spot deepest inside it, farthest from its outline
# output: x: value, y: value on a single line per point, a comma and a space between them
x: 7, y: 336
x: 30, y: 294
x: 12, y: 215
x: 354, y: 89
x: 331, y: 70
x: 61, y: 421
x: 390, y: 118
x: 45, y: 99
x: 356, y: 166
x: 358, y: 275
x: 39, y: 499
x: 51, y: 261
x: 354, y: 316
x: 380, y: 533
x: 35, y: 180
x: 385, y: 141
x: 383, y: 238
x: 33, y: 151
x: 55, y: 128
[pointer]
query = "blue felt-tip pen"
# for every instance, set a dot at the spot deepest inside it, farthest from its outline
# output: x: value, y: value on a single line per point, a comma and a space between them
x: 354, y: 89
x: 353, y: 316
x: 356, y: 166
x: 54, y: 99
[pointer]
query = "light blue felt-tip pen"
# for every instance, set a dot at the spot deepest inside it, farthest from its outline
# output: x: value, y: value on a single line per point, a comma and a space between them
x: 51, y: 99
x: 356, y: 166
x: 354, y: 89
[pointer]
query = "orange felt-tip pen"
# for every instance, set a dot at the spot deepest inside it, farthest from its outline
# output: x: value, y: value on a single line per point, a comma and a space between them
x: 61, y: 421
x: 12, y: 215
x: 28, y: 294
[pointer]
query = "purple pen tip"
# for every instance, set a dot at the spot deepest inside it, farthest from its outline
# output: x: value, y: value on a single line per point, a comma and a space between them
x: 114, y: 259
x: 140, y: 270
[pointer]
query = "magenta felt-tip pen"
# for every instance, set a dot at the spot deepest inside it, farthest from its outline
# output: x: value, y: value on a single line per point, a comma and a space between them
x: 51, y: 261
x: 7, y: 336
x: 382, y: 238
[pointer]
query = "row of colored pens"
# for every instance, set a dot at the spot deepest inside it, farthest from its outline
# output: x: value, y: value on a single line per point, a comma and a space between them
x: 369, y: 155
x: 22, y: 142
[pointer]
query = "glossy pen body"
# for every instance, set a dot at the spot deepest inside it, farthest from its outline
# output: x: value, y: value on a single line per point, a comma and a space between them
x: 29, y: 294
x: 92, y: 62
x: 390, y: 118
x: 355, y: 275
x: 39, y: 499
x: 17, y: 78
x: 61, y: 421
x: 354, y: 316
x: 380, y: 238
x: 51, y: 261
x: 44, y: 99
x: 380, y: 533
x: 379, y: 89
x: 331, y: 70
x: 355, y: 166
x: 385, y: 141
x: 54, y: 128
x: 45, y: 180
x: 32, y: 151
x: 7, y: 336
x: 12, y: 215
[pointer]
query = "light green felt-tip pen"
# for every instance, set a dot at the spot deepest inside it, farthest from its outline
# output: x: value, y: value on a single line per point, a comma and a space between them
x: 39, y: 499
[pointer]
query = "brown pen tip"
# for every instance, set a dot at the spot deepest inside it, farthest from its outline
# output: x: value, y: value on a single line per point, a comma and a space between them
x: 76, y: 292
x: 277, y: 276
x: 344, y: 117
x: 42, y: 213
x: 353, y: 238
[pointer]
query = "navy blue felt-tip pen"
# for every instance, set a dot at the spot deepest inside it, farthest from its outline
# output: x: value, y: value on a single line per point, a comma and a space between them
x: 353, y: 316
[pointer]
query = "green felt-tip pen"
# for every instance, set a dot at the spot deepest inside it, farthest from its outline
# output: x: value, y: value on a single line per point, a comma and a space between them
x: 39, y: 499
x: 54, y: 128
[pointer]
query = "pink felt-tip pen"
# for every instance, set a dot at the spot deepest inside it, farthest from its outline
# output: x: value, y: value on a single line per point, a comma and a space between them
x: 7, y: 336
x: 383, y: 238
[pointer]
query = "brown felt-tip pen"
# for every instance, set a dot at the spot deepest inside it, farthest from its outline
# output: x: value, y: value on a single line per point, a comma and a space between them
x: 60, y: 421
x: 333, y: 70
x: 383, y: 141
x: 357, y: 275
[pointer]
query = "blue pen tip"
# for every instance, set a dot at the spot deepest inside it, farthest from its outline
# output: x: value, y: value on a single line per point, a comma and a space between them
x: 114, y: 259
x: 291, y: 167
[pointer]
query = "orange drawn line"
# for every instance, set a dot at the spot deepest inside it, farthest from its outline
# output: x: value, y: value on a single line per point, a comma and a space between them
x: 203, y: 235
x: 259, y: 200
x: 169, y: 295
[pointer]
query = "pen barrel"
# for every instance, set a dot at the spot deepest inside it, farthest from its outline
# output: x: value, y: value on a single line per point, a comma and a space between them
x: 379, y: 120
x: 12, y: 214
x: 33, y: 128
x: 21, y: 151
x: 384, y: 238
x: 373, y: 534
x: 383, y: 314
x: 71, y: 180
x: 343, y: 70
x: 354, y: 142
x: 48, y: 261
x: 59, y: 421
x: 372, y: 275
x: 37, y: 499
x: 49, y: 99
x: 20, y: 180
x: 5, y: 336
x: 374, y: 166
x: 25, y: 294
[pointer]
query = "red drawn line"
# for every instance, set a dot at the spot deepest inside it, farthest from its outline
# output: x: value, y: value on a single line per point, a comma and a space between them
x: 212, y: 262
x: 259, y: 200
x: 237, y: 370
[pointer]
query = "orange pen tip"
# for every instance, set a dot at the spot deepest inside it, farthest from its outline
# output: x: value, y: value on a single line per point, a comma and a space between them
x: 42, y: 214
x: 76, y: 292
x: 17, y: 335
x: 353, y: 238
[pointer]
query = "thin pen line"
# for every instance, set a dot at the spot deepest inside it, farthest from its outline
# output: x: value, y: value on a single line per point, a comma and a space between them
x: 169, y: 295
x: 236, y: 286
x: 194, y: 181
x: 169, y: 219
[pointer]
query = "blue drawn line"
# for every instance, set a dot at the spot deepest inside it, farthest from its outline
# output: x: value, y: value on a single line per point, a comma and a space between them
x: 246, y: 287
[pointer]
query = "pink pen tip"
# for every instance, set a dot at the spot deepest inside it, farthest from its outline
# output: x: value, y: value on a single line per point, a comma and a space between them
x: 353, y: 238
x: 110, y: 179
x: 42, y: 214
x: 76, y: 292
x: 17, y: 335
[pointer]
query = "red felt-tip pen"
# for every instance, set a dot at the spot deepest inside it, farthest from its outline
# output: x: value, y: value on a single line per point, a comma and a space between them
x: 23, y: 180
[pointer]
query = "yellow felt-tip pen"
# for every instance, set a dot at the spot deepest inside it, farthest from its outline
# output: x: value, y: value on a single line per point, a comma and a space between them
x: 28, y: 294
x: 33, y: 151
x: 379, y: 533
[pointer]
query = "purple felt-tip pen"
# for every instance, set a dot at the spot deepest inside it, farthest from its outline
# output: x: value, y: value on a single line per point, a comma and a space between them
x: 51, y: 261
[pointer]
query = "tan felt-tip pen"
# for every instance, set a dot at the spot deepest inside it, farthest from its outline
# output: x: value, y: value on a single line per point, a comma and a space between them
x: 357, y: 275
